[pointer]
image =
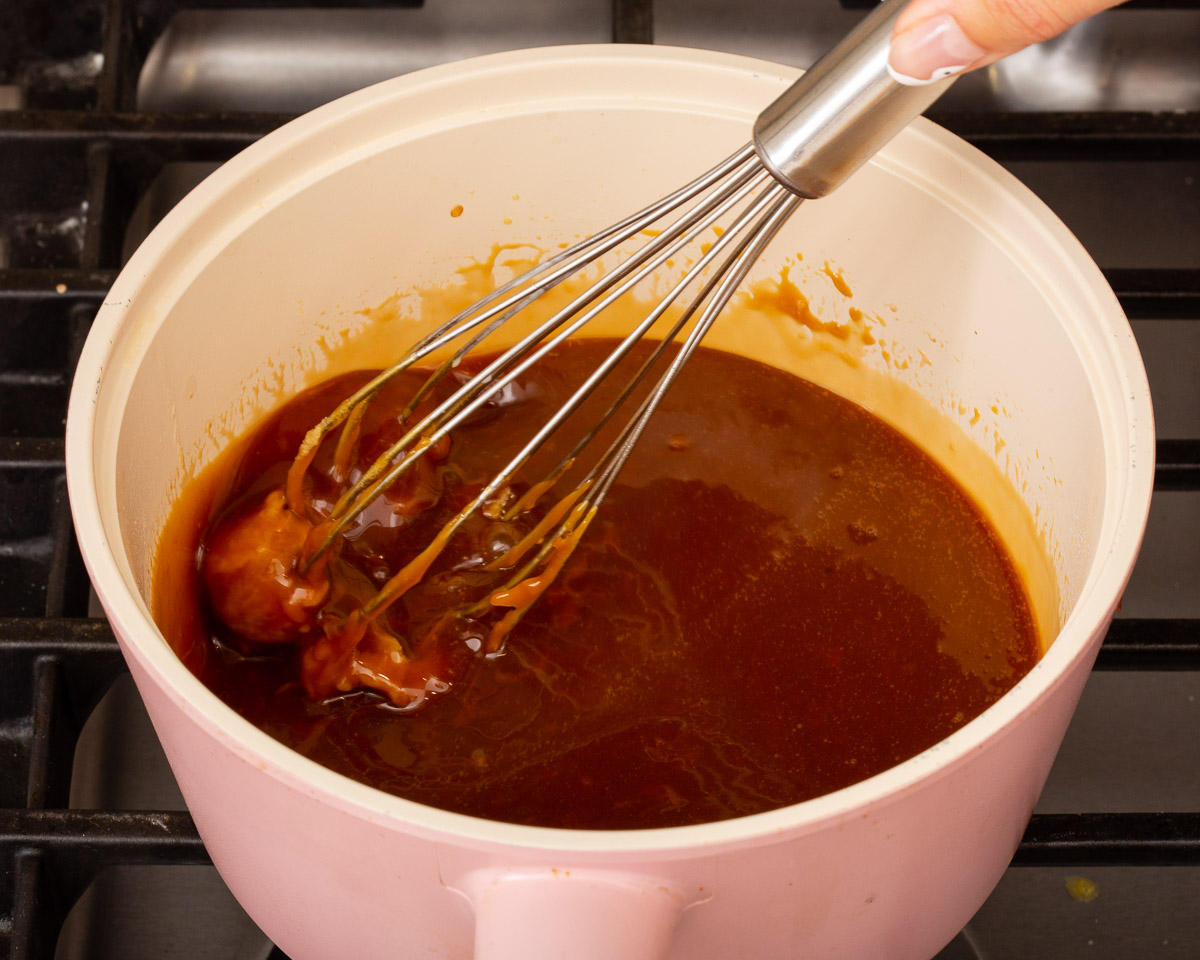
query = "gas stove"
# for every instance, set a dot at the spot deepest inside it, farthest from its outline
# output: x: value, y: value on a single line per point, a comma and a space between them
x: 110, y: 110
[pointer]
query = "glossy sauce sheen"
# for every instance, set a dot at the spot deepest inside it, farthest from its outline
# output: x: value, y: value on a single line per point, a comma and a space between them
x: 781, y: 596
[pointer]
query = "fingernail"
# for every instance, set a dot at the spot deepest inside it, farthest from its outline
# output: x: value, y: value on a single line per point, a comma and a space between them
x: 933, y: 49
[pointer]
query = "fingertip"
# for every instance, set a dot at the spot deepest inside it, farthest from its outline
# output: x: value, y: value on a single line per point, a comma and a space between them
x: 931, y: 50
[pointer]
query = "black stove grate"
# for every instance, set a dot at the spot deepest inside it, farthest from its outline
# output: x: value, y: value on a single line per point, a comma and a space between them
x: 76, y: 156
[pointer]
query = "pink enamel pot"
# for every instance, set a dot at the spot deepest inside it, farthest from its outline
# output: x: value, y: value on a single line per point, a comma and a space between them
x: 229, y: 305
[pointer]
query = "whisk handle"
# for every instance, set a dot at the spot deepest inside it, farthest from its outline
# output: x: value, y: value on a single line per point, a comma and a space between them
x: 848, y: 105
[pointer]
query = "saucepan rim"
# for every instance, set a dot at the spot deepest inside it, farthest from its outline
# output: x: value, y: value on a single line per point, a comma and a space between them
x: 1126, y: 422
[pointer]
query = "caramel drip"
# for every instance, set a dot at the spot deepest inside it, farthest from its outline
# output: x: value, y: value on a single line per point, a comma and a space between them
x: 523, y: 595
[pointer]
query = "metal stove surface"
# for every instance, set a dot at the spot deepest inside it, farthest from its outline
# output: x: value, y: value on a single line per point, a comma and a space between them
x: 1133, y: 743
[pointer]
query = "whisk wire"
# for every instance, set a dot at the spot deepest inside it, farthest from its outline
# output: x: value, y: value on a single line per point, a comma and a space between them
x: 604, y: 473
x: 519, y: 358
x: 763, y: 218
x: 605, y: 368
x: 513, y: 295
x: 742, y: 260
x: 516, y: 360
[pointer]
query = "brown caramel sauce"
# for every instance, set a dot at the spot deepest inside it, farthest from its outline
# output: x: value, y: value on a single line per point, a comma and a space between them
x: 782, y: 596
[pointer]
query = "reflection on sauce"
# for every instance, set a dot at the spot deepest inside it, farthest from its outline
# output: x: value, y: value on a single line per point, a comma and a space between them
x: 781, y: 596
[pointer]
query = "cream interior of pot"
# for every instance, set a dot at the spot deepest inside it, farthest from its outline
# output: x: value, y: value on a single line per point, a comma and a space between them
x: 985, y: 312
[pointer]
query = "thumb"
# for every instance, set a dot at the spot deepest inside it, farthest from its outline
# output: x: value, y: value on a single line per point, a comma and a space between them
x: 938, y: 38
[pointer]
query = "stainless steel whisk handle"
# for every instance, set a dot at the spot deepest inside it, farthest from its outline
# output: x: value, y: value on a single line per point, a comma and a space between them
x: 842, y: 111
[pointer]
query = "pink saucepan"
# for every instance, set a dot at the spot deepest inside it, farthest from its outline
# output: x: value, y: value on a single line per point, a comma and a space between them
x: 232, y: 303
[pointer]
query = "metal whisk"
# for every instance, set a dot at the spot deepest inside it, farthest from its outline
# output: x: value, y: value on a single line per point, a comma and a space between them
x: 805, y: 143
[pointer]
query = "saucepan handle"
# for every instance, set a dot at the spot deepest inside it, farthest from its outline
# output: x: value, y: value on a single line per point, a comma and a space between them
x: 547, y: 913
x: 840, y: 112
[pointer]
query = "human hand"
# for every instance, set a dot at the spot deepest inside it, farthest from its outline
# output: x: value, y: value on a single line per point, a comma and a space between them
x: 939, y: 38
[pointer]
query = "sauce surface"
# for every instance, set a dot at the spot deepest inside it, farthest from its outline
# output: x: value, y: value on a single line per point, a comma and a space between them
x: 780, y: 597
